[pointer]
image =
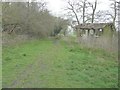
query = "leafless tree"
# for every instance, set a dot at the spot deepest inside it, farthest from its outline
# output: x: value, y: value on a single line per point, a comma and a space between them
x: 118, y: 15
x: 113, y: 14
x: 93, y: 6
x: 84, y: 10
x: 103, y: 16
x: 73, y: 9
x: 114, y: 7
x: 33, y: 18
x: 80, y: 9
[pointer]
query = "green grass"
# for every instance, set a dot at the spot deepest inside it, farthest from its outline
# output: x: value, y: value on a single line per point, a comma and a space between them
x: 46, y: 64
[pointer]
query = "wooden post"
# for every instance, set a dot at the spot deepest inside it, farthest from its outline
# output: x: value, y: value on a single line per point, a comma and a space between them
x: 88, y: 32
x: 94, y: 31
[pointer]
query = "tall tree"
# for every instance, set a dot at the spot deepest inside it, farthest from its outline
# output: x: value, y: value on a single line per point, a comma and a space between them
x: 93, y: 6
x: 32, y: 18
x: 84, y: 9
x: 72, y: 7
x: 114, y: 7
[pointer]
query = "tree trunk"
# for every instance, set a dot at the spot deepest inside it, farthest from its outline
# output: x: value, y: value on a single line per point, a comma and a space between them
x: 84, y: 5
x: 115, y: 12
x: 94, y: 9
x: 28, y: 5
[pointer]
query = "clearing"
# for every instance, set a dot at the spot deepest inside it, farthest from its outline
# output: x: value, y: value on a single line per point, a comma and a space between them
x: 45, y: 64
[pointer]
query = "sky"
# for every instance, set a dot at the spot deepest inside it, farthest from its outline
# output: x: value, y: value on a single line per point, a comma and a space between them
x: 57, y: 6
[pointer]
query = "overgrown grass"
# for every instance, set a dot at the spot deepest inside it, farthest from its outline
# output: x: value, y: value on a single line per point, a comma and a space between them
x: 16, y: 58
x: 49, y: 64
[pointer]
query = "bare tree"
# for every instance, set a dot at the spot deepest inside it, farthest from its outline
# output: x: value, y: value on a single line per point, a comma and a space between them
x: 28, y: 6
x: 103, y: 16
x: 84, y: 9
x: 78, y: 8
x: 71, y: 7
x: 118, y: 16
x: 114, y: 3
x: 93, y: 6
x: 31, y: 18
x: 114, y: 9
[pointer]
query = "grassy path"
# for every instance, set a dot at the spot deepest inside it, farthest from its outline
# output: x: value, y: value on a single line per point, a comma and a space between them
x: 41, y: 64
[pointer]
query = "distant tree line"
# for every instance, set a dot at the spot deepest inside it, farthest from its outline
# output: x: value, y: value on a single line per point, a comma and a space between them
x: 31, y: 18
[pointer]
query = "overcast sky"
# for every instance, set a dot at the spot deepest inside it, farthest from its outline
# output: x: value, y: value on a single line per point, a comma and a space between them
x: 57, y: 6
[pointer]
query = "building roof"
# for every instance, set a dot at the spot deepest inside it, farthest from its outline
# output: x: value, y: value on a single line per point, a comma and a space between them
x: 92, y: 25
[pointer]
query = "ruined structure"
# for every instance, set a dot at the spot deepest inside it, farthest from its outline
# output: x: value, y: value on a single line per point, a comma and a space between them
x: 94, y: 28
